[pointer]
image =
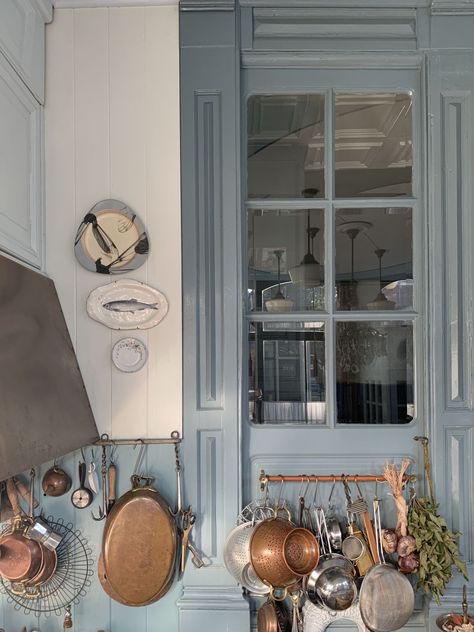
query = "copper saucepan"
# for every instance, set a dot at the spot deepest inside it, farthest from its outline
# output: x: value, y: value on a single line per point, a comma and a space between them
x: 21, y: 559
x: 272, y: 617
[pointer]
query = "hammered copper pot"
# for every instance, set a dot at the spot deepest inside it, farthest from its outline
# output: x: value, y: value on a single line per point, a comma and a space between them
x: 272, y: 617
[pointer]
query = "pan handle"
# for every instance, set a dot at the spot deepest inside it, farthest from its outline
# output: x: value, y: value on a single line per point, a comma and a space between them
x: 137, y: 481
x: 13, y: 498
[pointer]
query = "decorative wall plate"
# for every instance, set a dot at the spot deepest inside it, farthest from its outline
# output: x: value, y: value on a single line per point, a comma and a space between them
x: 111, y: 239
x: 129, y: 355
x: 127, y: 304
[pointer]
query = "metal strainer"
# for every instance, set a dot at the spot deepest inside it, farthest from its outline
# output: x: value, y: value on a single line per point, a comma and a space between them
x: 236, y: 549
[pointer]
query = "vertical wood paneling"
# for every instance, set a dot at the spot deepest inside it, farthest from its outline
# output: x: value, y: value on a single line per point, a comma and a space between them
x: 91, y: 168
x: 210, y: 474
x: 454, y: 158
x: 459, y: 446
x: 207, y: 114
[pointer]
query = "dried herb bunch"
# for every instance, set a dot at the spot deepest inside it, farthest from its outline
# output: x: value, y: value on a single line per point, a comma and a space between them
x: 436, y: 545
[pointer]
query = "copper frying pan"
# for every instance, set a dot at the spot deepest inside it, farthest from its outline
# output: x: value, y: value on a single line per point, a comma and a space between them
x: 139, y: 545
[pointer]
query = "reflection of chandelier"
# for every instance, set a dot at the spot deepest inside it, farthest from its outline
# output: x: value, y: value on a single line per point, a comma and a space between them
x: 380, y: 301
x: 358, y: 345
x: 348, y: 298
x: 309, y: 273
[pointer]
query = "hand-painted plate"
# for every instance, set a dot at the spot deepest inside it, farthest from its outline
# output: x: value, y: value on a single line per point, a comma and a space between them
x: 111, y: 239
x: 127, y: 304
x: 129, y: 355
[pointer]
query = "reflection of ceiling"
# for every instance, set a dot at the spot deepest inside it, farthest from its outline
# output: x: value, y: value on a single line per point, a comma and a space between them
x: 373, y: 131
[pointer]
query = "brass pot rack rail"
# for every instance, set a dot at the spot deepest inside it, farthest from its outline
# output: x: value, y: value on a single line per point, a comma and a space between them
x: 265, y: 478
x: 174, y: 439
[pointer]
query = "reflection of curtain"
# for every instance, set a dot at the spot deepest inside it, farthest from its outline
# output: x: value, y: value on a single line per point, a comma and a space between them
x: 291, y: 412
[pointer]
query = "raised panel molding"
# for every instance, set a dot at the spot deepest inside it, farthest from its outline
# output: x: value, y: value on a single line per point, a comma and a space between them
x: 330, y: 59
x: 93, y: 4
x: 454, y: 199
x: 21, y: 205
x: 315, y: 28
x: 209, y: 287
x: 459, y: 480
x: 452, y: 7
x: 210, y: 474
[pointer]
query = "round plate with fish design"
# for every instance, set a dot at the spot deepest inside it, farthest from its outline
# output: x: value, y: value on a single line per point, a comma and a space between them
x: 111, y: 239
x: 127, y: 304
x: 129, y: 355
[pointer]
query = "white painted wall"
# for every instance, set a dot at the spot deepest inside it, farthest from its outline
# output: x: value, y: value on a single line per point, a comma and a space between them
x: 112, y: 130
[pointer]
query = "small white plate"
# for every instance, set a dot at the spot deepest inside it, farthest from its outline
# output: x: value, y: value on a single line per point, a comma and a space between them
x: 129, y: 355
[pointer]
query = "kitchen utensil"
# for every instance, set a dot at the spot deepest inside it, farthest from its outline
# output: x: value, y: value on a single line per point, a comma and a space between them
x: 267, y: 551
x: 104, y: 582
x: 252, y: 583
x: 301, y: 551
x: 20, y: 558
x: 354, y: 547
x: 454, y: 622
x: 111, y: 484
x: 47, y: 569
x: 237, y: 548
x: 331, y: 584
x: 103, y: 471
x: 196, y: 558
x: 92, y: 478
x: 139, y: 544
x: 386, y: 596
x: 56, y: 482
x: 81, y: 497
x: 272, y: 617
x: 188, y: 523
x: 333, y: 527
x: 368, y: 527
x: 25, y: 492
x: 38, y: 529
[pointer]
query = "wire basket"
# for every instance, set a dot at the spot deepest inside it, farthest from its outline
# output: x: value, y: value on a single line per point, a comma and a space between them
x: 70, y: 581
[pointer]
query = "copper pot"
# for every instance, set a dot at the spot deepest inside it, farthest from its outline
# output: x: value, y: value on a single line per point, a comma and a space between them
x: 272, y: 617
x: 20, y: 558
x: 47, y: 569
x: 267, y: 552
x: 56, y: 482
x: 301, y: 551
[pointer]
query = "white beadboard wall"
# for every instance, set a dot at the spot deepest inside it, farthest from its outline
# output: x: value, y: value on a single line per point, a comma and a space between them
x: 112, y: 131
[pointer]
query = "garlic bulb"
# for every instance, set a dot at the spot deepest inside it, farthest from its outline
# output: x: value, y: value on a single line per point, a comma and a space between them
x: 406, y: 545
x: 389, y: 540
x: 410, y: 563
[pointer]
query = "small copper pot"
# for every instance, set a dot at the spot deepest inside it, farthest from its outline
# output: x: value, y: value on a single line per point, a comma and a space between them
x: 272, y: 617
x: 301, y: 551
x: 56, y: 482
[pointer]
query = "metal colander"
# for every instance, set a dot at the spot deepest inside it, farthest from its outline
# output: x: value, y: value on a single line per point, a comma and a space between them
x: 251, y: 582
x: 267, y: 552
x: 237, y: 549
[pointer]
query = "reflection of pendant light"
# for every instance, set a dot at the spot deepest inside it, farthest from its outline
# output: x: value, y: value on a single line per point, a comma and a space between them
x: 380, y: 301
x: 309, y: 272
x: 348, y: 291
x: 279, y: 303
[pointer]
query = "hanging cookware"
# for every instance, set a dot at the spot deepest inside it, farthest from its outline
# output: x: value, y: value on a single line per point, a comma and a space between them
x: 20, y: 558
x: 56, y: 482
x: 139, y: 545
x: 279, y: 556
x: 272, y: 617
x: 38, y: 529
x: 386, y: 597
x: 331, y: 584
x: 47, y: 569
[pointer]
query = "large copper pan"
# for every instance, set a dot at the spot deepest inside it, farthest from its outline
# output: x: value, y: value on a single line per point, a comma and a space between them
x: 139, y: 546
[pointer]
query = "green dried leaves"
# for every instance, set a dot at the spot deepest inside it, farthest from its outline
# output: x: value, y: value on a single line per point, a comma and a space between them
x: 437, y: 546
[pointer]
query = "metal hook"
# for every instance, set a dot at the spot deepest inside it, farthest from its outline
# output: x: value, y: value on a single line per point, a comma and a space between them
x: 332, y: 490
x: 103, y: 471
x: 139, y: 461
x: 282, y: 483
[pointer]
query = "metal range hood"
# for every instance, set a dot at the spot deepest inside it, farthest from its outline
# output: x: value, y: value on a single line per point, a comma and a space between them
x: 44, y: 409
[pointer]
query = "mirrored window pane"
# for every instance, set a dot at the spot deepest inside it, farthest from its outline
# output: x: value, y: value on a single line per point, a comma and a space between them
x: 374, y: 259
x: 287, y: 381
x: 285, y: 149
x: 373, y: 145
x: 374, y: 372
x: 285, y: 260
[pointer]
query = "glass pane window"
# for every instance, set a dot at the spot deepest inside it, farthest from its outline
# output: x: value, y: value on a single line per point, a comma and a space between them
x: 285, y: 260
x: 287, y: 373
x: 374, y: 260
x: 373, y: 145
x: 374, y: 372
x: 285, y: 146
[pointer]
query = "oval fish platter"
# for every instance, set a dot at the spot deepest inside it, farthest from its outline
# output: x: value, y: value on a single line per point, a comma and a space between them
x: 127, y: 304
x: 139, y: 547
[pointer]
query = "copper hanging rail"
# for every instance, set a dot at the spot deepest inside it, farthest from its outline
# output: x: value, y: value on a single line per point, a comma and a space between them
x: 323, y: 478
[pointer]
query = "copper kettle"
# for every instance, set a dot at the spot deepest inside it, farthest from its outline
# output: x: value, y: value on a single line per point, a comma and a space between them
x: 56, y: 482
